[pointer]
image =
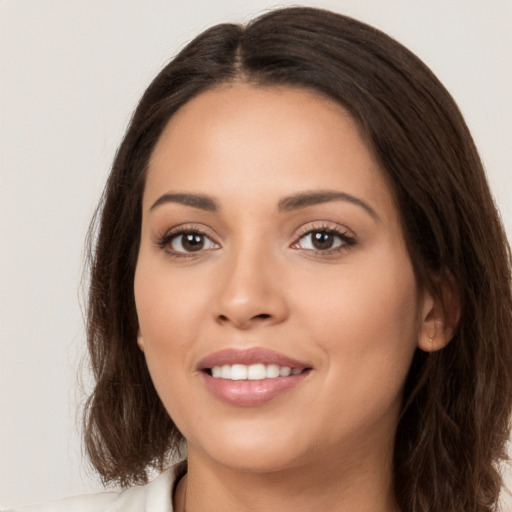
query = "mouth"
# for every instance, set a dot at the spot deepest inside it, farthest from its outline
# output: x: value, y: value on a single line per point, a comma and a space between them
x: 258, y: 371
x: 251, y: 377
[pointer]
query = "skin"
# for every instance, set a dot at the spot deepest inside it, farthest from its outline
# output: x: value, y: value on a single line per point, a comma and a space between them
x: 352, y: 312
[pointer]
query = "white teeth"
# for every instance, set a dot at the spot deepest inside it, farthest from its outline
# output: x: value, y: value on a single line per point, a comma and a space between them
x: 284, y: 371
x: 226, y: 371
x: 256, y: 372
x: 272, y: 371
x: 239, y: 372
x: 252, y: 372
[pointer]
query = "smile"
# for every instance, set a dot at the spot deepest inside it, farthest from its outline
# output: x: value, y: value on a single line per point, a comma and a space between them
x: 250, y: 377
x: 258, y: 371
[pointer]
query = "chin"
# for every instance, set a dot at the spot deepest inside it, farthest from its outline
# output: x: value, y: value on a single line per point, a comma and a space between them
x: 252, y: 451
x: 256, y: 460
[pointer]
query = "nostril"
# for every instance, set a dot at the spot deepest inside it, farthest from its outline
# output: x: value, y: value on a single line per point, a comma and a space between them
x: 244, y: 321
x: 262, y: 316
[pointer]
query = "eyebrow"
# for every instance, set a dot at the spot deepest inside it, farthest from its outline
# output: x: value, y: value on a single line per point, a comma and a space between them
x: 287, y: 204
x: 305, y: 199
x: 194, y: 200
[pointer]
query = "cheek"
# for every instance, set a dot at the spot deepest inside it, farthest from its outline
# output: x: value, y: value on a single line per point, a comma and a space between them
x: 362, y: 300
x: 366, y: 324
x: 170, y: 313
x: 169, y: 307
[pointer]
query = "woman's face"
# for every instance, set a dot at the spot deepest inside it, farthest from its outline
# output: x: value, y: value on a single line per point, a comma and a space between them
x: 277, y: 304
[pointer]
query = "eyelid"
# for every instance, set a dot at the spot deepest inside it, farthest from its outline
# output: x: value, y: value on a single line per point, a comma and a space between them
x: 324, y: 225
x: 345, y: 234
x: 348, y: 238
x: 164, y: 240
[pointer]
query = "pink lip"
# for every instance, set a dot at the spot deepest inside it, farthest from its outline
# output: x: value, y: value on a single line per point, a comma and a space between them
x: 249, y: 356
x: 250, y: 393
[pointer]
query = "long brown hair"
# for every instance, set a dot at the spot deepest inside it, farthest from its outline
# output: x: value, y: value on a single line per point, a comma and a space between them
x: 457, y: 402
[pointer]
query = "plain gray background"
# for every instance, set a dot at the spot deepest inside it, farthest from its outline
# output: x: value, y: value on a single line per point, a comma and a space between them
x: 71, y: 71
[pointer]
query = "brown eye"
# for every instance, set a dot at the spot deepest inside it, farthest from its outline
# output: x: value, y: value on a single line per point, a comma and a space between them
x: 324, y: 240
x: 191, y: 242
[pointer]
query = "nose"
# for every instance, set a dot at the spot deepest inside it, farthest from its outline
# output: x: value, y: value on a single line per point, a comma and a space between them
x: 251, y: 293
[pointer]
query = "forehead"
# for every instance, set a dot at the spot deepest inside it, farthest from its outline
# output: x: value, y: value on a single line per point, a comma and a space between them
x: 257, y: 113
x: 270, y: 140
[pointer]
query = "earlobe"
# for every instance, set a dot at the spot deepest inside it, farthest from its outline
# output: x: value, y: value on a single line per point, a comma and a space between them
x: 433, y: 337
x: 140, y: 340
x: 440, y: 316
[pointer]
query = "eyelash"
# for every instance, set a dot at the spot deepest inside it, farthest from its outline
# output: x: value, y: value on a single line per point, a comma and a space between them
x: 167, y: 239
x: 347, y: 240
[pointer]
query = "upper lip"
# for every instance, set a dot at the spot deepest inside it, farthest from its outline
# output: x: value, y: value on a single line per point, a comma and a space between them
x: 247, y: 357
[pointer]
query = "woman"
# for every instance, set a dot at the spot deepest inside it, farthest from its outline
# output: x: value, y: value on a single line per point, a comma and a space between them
x: 298, y: 270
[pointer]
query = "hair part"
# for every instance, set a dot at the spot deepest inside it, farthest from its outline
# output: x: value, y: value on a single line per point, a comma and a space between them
x: 457, y: 402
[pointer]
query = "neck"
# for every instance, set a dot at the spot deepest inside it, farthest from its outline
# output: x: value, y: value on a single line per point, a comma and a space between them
x: 334, y: 485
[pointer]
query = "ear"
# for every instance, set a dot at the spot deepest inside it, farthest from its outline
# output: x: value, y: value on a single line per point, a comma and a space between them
x: 140, y: 340
x: 440, y: 315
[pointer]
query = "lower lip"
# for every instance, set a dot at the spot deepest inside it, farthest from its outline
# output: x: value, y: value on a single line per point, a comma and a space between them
x: 249, y: 393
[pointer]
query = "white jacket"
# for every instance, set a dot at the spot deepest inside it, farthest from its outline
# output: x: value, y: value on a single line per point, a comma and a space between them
x: 155, y: 496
